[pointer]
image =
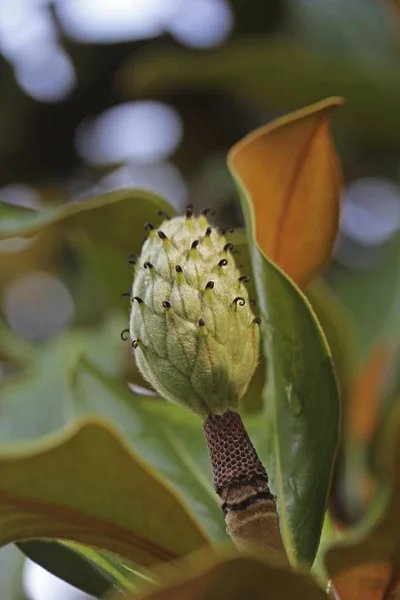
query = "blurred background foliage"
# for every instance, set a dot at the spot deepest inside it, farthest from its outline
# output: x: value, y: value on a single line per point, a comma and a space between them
x: 151, y: 94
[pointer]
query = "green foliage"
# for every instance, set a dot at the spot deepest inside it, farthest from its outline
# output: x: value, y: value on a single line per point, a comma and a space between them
x: 56, y: 489
x: 102, y: 482
x: 102, y: 229
x: 301, y: 399
x: 175, y: 447
x: 119, y: 481
x: 236, y: 578
x: 80, y: 387
x: 61, y: 560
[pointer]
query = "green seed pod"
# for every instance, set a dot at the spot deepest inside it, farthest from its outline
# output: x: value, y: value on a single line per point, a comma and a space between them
x: 196, y: 339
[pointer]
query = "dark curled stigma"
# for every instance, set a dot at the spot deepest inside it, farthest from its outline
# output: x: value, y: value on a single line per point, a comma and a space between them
x: 257, y: 320
x: 166, y: 304
x: 148, y: 265
x: 124, y: 335
x: 189, y: 211
x: 244, y: 279
x: 161, y: 235
x: 135, y: 344
x: 208, y: 211
x: 252, y: 301
x: 223, y: 262
x: 225, y: 230
x: 210, y: 285
x: 195, y: 244
x: 239, y: 300
x: 178, y: 268
x: 138, y: 299
x: 148, y: 227
x: 128, y: 294
x: 201, y: 323
x: 208, y: 231
x: 229, y: 246
x: 161, y: 213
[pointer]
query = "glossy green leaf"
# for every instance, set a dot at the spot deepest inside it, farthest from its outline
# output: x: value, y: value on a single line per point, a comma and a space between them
x: 37, y: 400
x: 184, y: 426
x: 281, y: 74
x: 127, y: 575
x: 94, y: 214
x: 328, y: 537
x: 86, y: 485
x: 104, y: 229
x: 372, y: 549
x: 177, y: 450
x: 43, y: 399
x: 92, y: 571
x: 334, y: 317
x: 69, y: 565
x: 35, y: 396
x: 302, y: 408
x: 237, y: 578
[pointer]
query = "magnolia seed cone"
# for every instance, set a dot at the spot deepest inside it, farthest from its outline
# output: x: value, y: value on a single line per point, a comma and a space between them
x: 196, y: 339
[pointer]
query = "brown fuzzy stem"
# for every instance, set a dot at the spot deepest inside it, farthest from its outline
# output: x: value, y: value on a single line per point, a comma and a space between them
x: 241, y: 482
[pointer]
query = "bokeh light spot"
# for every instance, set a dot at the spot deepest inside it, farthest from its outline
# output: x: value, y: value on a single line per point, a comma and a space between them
x: 143, y: 131
x: 163, y: 179
x: 46, y: 76
x: 109, y: 20
x: 20, y: 195
x: 202, y: 24
x: 37, y: 305
x: 371, y: 211
x: 26, y: 28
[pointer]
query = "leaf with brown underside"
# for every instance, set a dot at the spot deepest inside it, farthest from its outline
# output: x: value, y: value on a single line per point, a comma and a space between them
x: 372, y: 581
x: 236, y: 578
x: 103, y: 229
x: 87, y: 486
x: 290, y: 171
x: 302, y: 404
x: 365, y: 564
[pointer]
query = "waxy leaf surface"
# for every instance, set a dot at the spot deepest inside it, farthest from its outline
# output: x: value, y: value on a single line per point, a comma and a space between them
x: 103, y: 229
x: 86, y: 485
x: 238, y: 578
x: 292, y: 175
x: 176, y: 449
x: 302, y: 409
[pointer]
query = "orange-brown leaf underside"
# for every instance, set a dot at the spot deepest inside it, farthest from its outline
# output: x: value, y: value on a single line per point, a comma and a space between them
x: 372, y: 581
x: 291, y: 173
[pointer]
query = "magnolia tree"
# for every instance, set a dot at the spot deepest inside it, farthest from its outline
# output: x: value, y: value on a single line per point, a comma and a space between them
x: 119, y: 500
